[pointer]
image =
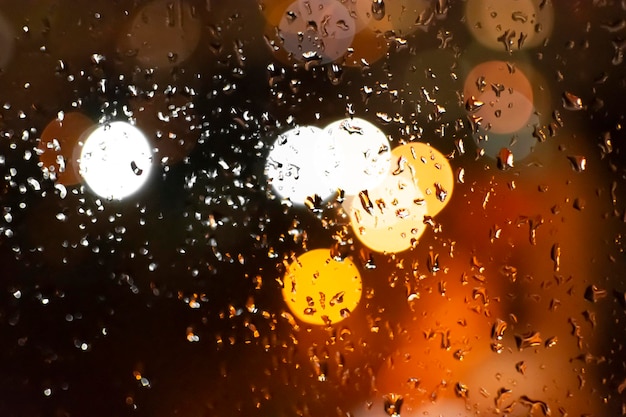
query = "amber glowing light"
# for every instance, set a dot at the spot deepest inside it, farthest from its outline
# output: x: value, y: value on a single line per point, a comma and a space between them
x: 320, y: 290
x: 498, y: 96
x: 510, y: 25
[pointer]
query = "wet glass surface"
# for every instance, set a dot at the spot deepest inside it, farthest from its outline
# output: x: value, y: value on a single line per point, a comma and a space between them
x: 312, y: 208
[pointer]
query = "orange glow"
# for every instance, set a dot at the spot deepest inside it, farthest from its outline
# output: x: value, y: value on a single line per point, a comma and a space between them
x: 428, y: 169
x: 320, y: 290
x: 499, y: 95
x: 510, y: 25
x: 58, y: 149
x: 445, y: 337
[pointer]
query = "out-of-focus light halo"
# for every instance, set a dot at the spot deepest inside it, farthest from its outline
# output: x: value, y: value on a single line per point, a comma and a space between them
x: 321, y: 290
x: 115, y: 160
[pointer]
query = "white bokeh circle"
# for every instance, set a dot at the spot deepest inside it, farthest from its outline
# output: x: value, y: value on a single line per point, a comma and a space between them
x: 301, y: 164
x: 363, y: 153
x: 116, y: 160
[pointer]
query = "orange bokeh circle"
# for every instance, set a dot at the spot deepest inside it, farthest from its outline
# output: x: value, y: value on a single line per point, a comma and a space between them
x: 59, y: 147
x: 500, y: 95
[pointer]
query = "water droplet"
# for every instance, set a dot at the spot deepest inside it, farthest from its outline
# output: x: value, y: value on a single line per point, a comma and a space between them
x: 572, y: 102
x: 555, y: 254
x: 502, y: 394
x: 473, y: 104
x: 366, y: 203
x: 579, y: 203
x: 335, y: 74
x: 433, y: 262
x: 460, y: 175
x: 594, y: 294
x: 536, y: 405
x: 615, y: 26
x: 526, y: 340
x: 498, y: 329
x: 461, y: 390
x: 519, y: 16
x: 550, y: 342
x: 378, y: 9
x: 393, y: 404
x: 579, y: 162
x: 505, y: 159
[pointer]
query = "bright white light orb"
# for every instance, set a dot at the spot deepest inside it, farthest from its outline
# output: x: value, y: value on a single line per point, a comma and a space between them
x: 116, y: 160
x: 364, y: 154
x: 301, y: 164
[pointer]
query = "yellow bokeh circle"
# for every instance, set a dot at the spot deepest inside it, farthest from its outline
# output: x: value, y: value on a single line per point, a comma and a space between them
x: 427, y: 168
x: 321, y: 290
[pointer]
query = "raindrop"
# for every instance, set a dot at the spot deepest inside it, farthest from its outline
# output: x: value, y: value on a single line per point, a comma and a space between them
x: 519, y: 16
x: 572, y: 102
x: 498, y: 329
x: 505, y: 159
x: 461, y: 390
x: 555, y: 254
x: 594, y: 294
x: 378, y: 9
x: 551, y: 342
x: 579, y: 162
x: 393, y: 404
x: 536, y: 405
x: 526, y: 340
x: 460, y: 175
x: 433, y: 262
x: 473, y: 104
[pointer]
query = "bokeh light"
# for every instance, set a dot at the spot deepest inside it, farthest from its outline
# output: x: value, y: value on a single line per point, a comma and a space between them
x: 402, y: 17
x: 499, y: 96
x: 318, y: 31
x: 470, y: 223
x: 521, y: 143
x: 366, y: 45
x: 364, y: 154
x: 388, y: 218
x: 321, y: 290
x: 510, y: 25
x: 58, y: 148
x: 428, y: 169
x: 115, y: 160
x: 162, y: 34
x: 301, y: 164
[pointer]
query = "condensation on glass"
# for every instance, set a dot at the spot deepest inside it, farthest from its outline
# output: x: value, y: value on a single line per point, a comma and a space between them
x: 312, y: 208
